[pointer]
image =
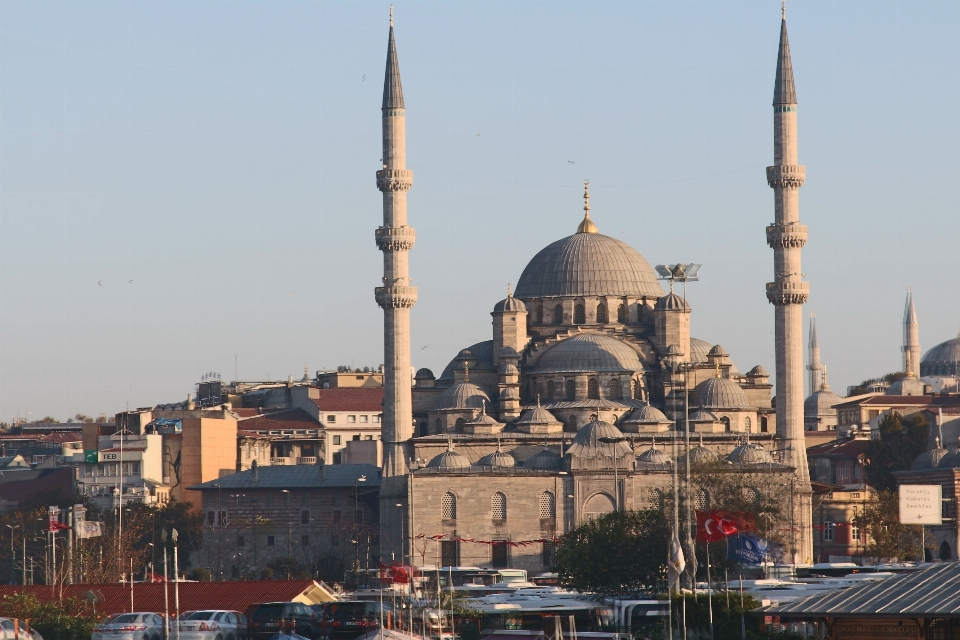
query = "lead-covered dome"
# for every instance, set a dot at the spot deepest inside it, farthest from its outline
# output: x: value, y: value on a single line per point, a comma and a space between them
x: 498, y: 458
x: 749, y: 454
x: 943, y: 359
x: 588, y: 442
x: 463, y: 395
x: 821, y: 404
x: 589, y: 353
x: 588, y: 264
x: 721, y: 393
x: 450, y: 460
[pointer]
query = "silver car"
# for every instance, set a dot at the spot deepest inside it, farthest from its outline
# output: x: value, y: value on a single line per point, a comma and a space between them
x: 212, y: 624
x: 9, y: 630
x: 130, y: 626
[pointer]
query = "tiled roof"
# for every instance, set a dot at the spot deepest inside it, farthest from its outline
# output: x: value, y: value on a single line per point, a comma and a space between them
x: 235, y: 596
x: 839, y: 448
x: 289, y: 419
x: 60, y: 437
x: 300, y: 476
x: 350, y: 399
x: 246, y: 412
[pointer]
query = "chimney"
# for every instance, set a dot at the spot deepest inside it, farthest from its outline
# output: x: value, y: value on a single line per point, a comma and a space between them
x: 191, y: 405
x: 254, y: 471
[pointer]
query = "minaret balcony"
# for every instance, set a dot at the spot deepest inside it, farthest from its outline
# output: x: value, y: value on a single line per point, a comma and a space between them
x: 394, y: 179
x: 395, y: 238
x: 396, y: 297
x: 786, y: 236
x: 781, y: 293
x: 786, y: 176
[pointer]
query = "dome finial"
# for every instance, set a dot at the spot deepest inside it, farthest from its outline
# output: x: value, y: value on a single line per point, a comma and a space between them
x: 509, y: 290
x: 823, y: 383
x: 391, y: 15
x: 587, y: 225
x: 466, y: 372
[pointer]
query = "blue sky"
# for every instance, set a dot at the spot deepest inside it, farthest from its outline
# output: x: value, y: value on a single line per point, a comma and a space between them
x: 221, y: 156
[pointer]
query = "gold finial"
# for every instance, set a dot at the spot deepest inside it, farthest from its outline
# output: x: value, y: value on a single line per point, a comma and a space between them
x: 783, y: 9
x: 587, y: 225
x: 391, y: 16
x: 466, y: 372
x: 718, y: 368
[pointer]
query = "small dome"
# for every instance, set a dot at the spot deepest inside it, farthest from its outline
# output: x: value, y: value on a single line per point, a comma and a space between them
x: 758, y: 372
x: 509, y: 304
x: 543, y: 460
x: 510, y: 393
x: 646, y: 414
x: 424, y: 374
x: 700, y: 455
x: 951, y: 460
x: 451, y: 460
x: 538, y: 416
x: 482, y: 352
x: 498, y: 458
x: 654, y: 457
x: 462, y: 395
x: 587, y: 444
x: 509, y: 370
x: 943, y: 359
x: 929, y: 459
x: 484, y: 419
x: 821, y: 404
x: 721, y: 393
x: 702, y: 415
x: 589, y: 353
x: 718, y: 352
x: 749, y: 454
x: 699, y: 350
x: 906, y: 387
x: 671, y: 302
x: 508, y: 352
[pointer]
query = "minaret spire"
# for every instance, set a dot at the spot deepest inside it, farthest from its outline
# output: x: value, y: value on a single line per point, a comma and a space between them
x: 815, y: 368
x: 911, y: 339
x: 786, y: 236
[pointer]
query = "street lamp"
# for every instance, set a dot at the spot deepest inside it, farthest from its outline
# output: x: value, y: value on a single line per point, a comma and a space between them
x: 614, y: 440
x: 13, y: 559
x: 403, y: 546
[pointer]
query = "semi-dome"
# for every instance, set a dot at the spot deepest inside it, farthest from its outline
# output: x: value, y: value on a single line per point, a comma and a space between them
x: 699, y: 350
x: 498, y: 458
x: 462, y: 395
x: 721, y: 393
x: 450, y: 460
x: 702, y: 415
x: 943, y: 359
x: 587, y: 443
x: 589, y: 353
x: 481, y: 353
x: 543, y: 460
x: 930, y: 459
x: 750, y: 453
x: 588, y: 264
x: 821, y: 404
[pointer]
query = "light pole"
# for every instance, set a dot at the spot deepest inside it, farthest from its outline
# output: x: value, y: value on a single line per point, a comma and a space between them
x: 403, y: 547
x: 615, y: 440
x: 13, y: 559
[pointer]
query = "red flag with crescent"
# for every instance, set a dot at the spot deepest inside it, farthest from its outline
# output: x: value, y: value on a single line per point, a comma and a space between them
x: 714, y: 526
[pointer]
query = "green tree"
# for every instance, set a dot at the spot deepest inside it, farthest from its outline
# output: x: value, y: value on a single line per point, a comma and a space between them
x: 901, y: 441
x: 889, y: 538
x: 67, y: 619
x: 865, y: 386
x: 618, y: 553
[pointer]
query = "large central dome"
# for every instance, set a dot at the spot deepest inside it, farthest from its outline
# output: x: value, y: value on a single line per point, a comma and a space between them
x: 588, y: 264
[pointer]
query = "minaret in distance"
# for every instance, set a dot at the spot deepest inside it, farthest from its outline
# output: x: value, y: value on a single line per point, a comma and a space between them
x: 395, y: 238
x: 814, y: 366
x: 911, y: 339
x: 786, y: 236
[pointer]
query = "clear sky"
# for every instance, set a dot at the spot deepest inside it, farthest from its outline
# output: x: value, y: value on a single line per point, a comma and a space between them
x: 186, y: 185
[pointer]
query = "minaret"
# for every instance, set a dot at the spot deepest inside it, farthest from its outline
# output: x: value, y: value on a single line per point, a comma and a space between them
x: 786, y: 236
x: 396, y: 296
x: 911, y: 339
x: 814, y: 366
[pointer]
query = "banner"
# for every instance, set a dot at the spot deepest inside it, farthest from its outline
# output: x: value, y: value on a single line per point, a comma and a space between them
x: 714, y: 526
x: 397, y: 573
x: 88, y: 529
x: 675, y: 562
x: 746, y: 548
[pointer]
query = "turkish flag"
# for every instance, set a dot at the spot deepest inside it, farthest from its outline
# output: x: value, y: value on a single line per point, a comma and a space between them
x: 714, y: 526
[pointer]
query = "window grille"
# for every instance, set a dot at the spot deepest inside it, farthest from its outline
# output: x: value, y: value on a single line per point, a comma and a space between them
x: 615, y: 389
x: 602, y: 314
x: 448, y: 506
x: 548, y: 505
x: 498, y: 506
x: 593, y: 389
x: 558, y: 314
x: 579, y: 314
x: 702, y: 500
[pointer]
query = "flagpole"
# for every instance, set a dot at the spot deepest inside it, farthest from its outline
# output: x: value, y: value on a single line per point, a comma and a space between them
x: 743, y: 624
x: 709, y: 593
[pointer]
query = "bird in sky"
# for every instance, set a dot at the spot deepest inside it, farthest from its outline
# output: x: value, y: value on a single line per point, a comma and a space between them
x: 130, y: 281
x: 571, y: 162
x: 364, y: 78
x: 478, y: 134
x: 426, y: 346
x: 100, y: 282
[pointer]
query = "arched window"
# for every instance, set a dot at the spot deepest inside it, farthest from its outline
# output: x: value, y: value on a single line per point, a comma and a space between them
x: 571, y: 390
x: 551, y: 390
x: 945, y: 551
x: 460, y: 422
x: 701, y: 500
x: 579, y: 314
x: 498, y: 506
x: 726, y: 423
x: 540, y: 313
x: 548, y: 505
x: 763, y: 424
x: 558, y: 314
x: 593, y: 389
x: 637, y: 390
x: 571, y: 423
x: 448, y: 506
x: 747, y: 425
x: 622, y: 313
x: 615, y: 393
x: 602, y: 314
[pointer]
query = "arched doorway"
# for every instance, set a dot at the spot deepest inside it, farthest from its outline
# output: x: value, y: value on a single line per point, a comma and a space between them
x: 597, y: 505
x: 945, y: 551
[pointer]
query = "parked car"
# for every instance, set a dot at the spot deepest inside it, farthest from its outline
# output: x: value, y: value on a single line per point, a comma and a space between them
x: 212, y: 625
x: 269, y: 618
x: 353, y: 618
x: 130, y: 626
x: 9, y: 630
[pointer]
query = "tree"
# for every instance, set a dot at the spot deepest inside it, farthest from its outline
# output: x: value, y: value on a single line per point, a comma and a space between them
x: 889, y: 538
x: 866, y: 385
x: 901, y: 441
x: 618, y: 553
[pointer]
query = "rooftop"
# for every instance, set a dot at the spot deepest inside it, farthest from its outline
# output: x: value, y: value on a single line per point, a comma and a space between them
x: 350, y: 399
x: 301, y: 476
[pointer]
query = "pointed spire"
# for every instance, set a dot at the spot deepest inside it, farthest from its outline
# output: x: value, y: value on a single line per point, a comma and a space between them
x: 784, y: 91
x: 814, y: 342
x: 909, y: 311
x: 587, y: 225
x: 392, y: 90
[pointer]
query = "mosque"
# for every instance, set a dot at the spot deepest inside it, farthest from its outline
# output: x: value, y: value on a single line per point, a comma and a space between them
x: 581, y: 400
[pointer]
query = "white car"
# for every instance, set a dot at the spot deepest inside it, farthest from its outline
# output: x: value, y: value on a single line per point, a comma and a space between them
x: 9, y: 630
x: 130, y: 626
x: 212, y: 625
